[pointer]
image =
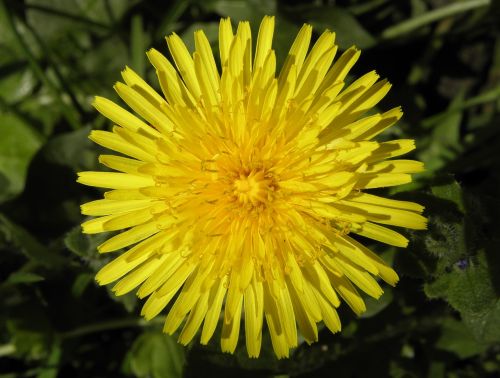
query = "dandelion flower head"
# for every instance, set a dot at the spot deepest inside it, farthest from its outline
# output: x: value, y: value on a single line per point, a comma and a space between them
x: 238, y: 188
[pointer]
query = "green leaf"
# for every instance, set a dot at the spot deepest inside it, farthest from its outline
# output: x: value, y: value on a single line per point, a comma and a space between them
x: 156, y: 355
x: 29, y: 331
x: 10, y: 49
x: 242, y: 10
x: 348, y: 30
x: 418, y: 7
x: 81, y: 282
x: 18, y: 144
x: 445, y: 143
x: 463, y: 276
x: 423, y: 19
x: 467, y: 287
x: 138, y: 42
x: 175, y: 10
x: 19, y: 238
x: 72, y: 149
x: 470, y: 291
x: 450, y: 191
x: 101, y: 65
x: 486, y: 323
x: 6, y: 350
x: 24, y: 277
x: 17, y: 85
x: 31, y: 344
x: 374, y: 306
x: 84, y: 245
x: 55, y: 18
x: 457, y: 339
x: 211, y: 30
x: 283, y: 38
x: 460, y: 105
x: 445, y: 237
x: 51, y: 368
x: 129, y: 301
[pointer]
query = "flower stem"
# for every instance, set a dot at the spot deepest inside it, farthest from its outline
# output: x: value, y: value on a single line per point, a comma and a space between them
x: 108, y: 325
x: 431, y: 16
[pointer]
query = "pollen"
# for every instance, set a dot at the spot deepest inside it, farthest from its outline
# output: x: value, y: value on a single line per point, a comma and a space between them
x: 253, y: 188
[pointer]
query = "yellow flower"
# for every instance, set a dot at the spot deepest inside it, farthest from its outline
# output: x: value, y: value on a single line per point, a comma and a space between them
x: 241, y: 187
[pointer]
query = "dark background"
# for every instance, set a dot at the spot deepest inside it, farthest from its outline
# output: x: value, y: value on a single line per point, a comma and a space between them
x: 443, y: 318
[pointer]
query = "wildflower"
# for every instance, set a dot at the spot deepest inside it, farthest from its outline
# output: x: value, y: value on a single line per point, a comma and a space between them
x: 240, y: 188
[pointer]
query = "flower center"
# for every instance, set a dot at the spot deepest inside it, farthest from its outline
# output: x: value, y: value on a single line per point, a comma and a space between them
x: 252, y: 188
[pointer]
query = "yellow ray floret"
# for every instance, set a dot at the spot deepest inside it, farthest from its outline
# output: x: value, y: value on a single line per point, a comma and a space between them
x: 239, y: 188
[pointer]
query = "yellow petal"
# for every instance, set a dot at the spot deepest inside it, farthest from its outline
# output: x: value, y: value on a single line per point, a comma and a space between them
x: 136, y: 82
x: 217, y: 293
x: 382, y: 234
x: 194, y: 320
x: 114, y: 180
x: 340, y: 68
x: 382, y: 180
x: 225, y: 39
x: 121, y: 117
x: 129, y: 237
x: 117, y: 143
x: 264, y: 41
x: 297, y: 52
x: 135, y: 278
x: 171, y: 83
x: 360, y: 278
x: 350, y: 295
x: 394, y: 217
x: 144, y: 107
x: 106, y: 206
x: 120, y: 163
x: 231, y: 329
x: 184, y: 63
x: 121, y: 266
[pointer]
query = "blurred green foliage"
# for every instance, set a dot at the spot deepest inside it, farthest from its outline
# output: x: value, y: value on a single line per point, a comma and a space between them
x: 442, y: 320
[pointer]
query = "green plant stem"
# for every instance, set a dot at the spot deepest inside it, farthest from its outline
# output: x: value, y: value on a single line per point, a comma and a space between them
x: 482, y: 98
x: 431, y: 16
x: 109, y: 12
x: 176, y: 9
x: 137, y: 47
x: 109, y: 325
x: 66, y: 15
x: 362, y: 8
x: 37, y: 69
x: 62, y: 81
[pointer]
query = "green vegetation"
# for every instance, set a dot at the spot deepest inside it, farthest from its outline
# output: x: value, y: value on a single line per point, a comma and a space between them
x: 443, y: 318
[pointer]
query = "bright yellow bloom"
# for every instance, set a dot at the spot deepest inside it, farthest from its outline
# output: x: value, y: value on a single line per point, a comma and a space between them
x: 241, y: 188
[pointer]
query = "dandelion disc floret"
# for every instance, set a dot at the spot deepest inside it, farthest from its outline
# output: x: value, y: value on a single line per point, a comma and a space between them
x: 238, y: 189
